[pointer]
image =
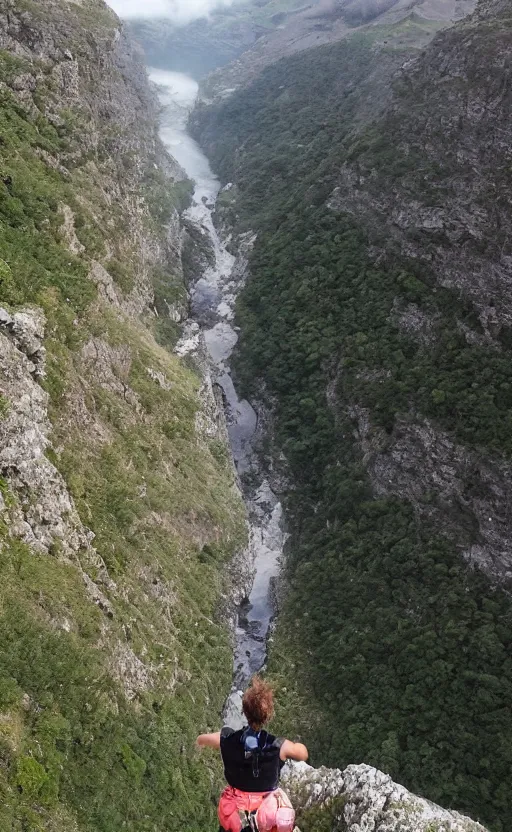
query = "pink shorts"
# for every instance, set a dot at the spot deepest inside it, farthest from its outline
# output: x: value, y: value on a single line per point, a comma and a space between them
x: 232, y: 802
x: 274, y: 810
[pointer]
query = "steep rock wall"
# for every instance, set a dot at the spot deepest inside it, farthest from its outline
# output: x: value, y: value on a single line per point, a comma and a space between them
x: 442, y: 201
x: 96, y: 93
x: 119, y: 505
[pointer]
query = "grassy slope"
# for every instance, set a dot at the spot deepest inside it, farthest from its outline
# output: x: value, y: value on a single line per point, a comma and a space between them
x: 388, y: 650
x: 76, y: 752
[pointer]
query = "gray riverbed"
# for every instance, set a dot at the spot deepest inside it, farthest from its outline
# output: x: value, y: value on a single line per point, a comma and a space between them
x: 213, y: 297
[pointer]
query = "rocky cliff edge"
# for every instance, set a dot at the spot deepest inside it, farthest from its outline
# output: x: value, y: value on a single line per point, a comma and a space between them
x: 363, y: 799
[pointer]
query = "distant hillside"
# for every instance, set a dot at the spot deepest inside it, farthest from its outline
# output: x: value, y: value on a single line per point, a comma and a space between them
x: 328, y: 21
x: 248, y: 36
x: 208, y: 43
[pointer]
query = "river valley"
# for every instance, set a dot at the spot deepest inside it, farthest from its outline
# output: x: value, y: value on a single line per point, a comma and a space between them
x: 213, y: 296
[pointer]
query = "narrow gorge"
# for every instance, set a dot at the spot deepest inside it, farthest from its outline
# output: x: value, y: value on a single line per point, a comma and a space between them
x: 215, y: 282
x: 255, y: 408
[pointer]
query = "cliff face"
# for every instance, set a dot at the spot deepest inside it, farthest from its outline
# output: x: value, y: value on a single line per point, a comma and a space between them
x: 442, y: 202
x: 363, y: 798
x: 118, y: 503
x: 452, y: 204
x: 375, y: 318
x: 110, y: 135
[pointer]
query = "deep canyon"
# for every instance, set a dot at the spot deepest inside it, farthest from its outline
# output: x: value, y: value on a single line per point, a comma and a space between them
x: 212, y: 307
x: 255, y: 409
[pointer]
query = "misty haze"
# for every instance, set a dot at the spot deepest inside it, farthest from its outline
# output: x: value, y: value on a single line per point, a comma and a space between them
x: 178, y: 11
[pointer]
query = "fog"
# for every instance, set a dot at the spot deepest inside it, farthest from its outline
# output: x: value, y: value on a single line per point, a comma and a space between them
x: 179, y: 11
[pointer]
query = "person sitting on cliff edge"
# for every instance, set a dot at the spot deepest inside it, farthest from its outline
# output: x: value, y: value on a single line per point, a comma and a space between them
x: 253, y: 760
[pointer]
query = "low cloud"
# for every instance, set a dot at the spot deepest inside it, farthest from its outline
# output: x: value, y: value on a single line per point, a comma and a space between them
x: 179, y: 11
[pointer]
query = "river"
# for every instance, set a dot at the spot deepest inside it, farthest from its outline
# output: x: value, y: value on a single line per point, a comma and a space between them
x: 213, y: 297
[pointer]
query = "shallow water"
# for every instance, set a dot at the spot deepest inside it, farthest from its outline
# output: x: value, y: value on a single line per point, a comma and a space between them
x: 177, y: 94
x: 212, y: 299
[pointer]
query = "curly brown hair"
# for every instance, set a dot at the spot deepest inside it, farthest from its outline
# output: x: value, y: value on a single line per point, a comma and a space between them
x: 258, y: 703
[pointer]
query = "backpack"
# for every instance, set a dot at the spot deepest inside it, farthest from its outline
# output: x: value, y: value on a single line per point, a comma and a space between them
x: 276, y: 813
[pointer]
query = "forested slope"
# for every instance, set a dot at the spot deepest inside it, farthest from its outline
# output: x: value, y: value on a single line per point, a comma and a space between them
x: 375, y: 318
x: 118, y: 507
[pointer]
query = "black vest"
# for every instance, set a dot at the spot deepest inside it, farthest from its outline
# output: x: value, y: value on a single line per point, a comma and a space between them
x: 244, y: 773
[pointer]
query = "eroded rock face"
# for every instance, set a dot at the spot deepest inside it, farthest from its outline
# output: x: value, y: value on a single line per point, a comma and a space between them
x: 43, y: 514
x: 367, y: 800
x: 448, y: 206
x: 459, y: 491
x: 25, y: 329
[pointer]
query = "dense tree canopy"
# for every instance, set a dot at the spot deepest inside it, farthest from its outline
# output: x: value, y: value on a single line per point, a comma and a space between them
x: 404, y: 651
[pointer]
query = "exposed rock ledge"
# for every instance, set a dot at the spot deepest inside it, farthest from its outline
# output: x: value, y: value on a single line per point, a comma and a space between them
x: 364, y: 799
x: 41, y: 512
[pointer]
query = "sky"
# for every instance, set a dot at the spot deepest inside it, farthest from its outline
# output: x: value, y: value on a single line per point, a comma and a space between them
x: 179, y: 11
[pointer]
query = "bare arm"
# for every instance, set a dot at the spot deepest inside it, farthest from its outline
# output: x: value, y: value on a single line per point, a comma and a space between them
x: 294, y: 751
x: 208, y: 740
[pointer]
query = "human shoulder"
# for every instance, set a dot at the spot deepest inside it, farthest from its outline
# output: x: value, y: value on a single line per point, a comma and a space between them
x: 228, y: 732
x: 293, y: 751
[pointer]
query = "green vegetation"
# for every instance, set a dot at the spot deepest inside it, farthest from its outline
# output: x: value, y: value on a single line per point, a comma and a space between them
x: 328, y: 818
x: 163, y: 199
x: 30, y: 192
x: 100, y: 702
x: 112, y: 754
x: 78, y: 741
x: 389, y: 651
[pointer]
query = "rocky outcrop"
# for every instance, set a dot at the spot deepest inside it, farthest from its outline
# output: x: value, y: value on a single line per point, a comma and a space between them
x: 25, y: 328
x: 37, y: 508
x: 363, y: 799
x: 45, y: 505
x: 447, y: 206
x: 454, y: 488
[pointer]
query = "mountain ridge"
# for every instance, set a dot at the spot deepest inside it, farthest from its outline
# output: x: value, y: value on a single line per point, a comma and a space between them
x: 235, y: 44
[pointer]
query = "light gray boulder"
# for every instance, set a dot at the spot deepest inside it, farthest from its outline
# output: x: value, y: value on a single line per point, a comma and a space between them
x: 367, y: 800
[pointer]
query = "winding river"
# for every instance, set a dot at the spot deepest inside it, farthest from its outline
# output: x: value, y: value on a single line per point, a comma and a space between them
x: 213, y: 296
